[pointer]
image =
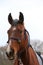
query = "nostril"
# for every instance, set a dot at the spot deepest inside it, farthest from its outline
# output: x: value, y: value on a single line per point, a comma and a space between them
x: 11, y: 52
x: 6, y: 53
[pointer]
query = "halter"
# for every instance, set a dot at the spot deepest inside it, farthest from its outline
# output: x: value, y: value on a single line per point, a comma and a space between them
x: 18, y: 39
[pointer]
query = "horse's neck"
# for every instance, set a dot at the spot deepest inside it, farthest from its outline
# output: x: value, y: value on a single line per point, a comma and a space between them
x: 29, y: 57
x: 33, y: 57
x: 25, y: 58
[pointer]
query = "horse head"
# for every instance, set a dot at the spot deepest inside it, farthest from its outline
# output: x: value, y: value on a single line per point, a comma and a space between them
x: 17, y: 37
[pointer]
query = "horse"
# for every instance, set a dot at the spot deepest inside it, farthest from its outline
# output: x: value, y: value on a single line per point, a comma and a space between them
x: 18, y: 43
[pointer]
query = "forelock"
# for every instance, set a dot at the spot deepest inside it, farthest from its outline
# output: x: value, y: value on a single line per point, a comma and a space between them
x: 15, y: 22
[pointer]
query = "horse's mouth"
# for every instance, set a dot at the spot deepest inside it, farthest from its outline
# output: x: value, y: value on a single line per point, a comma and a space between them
x: 13, y: 57
x: 10, y: 57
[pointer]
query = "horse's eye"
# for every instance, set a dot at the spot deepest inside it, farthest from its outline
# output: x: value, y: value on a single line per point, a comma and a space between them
x: 8, y: 41
x: 20, y: 31
x: 19, y: 41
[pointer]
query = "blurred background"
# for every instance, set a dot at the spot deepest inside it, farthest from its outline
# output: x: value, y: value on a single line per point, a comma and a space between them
x: 33, y: 20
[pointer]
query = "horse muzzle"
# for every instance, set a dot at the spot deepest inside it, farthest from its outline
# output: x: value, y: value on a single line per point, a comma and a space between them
x: 10, y: 55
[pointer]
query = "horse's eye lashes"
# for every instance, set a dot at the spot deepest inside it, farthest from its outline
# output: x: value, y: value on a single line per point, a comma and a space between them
x: 8, y: 41
x: 20, y: 31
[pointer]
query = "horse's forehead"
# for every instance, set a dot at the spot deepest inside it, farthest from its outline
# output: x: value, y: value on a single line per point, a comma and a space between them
x: 12, y: 28
x: 15, y: 26
x: 15, y: 22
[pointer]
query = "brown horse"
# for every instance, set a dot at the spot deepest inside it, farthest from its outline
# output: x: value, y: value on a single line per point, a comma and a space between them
x: 18, y: 46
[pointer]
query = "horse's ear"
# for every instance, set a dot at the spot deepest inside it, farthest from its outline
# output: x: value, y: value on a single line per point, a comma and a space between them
x: 21, y: 18
x: 10, y: 19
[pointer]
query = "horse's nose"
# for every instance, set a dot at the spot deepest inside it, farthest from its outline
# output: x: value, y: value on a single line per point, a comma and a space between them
x: 11, y: 53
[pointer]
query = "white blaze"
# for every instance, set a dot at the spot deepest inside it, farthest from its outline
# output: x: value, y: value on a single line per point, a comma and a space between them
x: 8, y: 48
x: 14, y: 28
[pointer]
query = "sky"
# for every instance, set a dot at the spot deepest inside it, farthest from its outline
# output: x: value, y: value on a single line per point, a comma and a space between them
x: 33, y: 17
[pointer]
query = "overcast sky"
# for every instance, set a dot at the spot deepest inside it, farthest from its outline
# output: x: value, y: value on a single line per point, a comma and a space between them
x: 33, y: 17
